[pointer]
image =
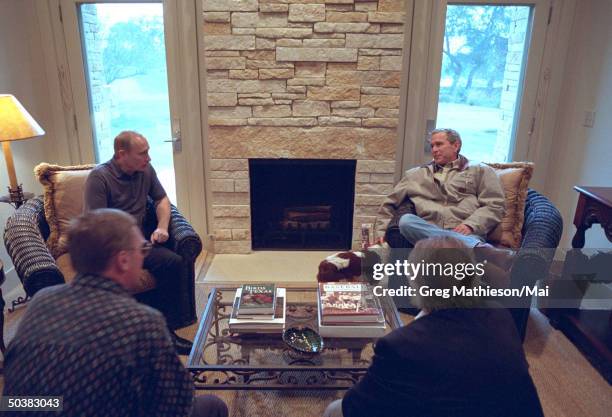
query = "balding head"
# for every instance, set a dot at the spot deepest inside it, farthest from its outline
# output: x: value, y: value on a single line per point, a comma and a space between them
x: 125, y: 139
x: 131, y: 152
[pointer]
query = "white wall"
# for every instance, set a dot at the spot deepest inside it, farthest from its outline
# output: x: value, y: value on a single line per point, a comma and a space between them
x: 22, y: 73
x: 583, y: 155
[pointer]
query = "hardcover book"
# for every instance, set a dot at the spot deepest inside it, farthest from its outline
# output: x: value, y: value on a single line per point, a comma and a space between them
x: 257, y: 299
x: 348, y: 302
x: 259, y: 325
x: 351, y: 330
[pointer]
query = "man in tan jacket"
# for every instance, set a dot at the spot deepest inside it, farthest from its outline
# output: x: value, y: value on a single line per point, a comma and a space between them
x: 452, y: 196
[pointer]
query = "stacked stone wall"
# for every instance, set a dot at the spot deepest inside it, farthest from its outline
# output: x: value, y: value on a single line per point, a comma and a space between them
x: 300, y: 79
x: 512, y: 79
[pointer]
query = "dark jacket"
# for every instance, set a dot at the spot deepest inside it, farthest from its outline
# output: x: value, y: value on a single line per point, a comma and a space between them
x: 456, y: 362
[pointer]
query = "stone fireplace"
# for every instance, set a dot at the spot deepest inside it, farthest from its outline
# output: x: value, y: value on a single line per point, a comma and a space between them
x: 300, y: 79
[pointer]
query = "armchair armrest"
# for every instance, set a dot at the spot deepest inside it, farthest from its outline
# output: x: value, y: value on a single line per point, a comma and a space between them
x: 543, y: 223
x: 541, y: 235
x: 183, y: 239
x: 26, y: 247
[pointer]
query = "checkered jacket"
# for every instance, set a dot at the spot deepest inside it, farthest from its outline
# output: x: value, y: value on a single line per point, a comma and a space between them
x: 107, y: 355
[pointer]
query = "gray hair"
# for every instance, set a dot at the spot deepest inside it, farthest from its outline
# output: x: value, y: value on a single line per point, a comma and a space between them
x: 451, y: 135
x: 443, y: 251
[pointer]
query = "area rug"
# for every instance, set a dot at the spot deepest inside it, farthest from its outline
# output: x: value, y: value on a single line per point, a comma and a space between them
x: 282, y: 403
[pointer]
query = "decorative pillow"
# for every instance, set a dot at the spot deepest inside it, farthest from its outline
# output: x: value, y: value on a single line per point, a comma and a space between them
x: 63, y: 200
x: 514, y: 177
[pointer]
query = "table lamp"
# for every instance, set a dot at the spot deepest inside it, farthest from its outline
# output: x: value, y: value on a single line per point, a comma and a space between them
x: 15, y: 124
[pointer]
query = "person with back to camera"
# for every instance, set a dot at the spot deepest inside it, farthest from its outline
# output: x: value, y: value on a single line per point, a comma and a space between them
x: 93, y: 344
x: 459, y: 357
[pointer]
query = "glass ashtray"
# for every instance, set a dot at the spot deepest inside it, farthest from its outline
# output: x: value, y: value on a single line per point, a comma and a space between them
x: 304, y: 339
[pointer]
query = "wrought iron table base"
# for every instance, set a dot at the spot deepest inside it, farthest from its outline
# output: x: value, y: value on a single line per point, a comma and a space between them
x: 275, y: 380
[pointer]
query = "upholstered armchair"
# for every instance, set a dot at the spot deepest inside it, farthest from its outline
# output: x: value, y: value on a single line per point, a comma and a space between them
x: 541, y: 233
x: 40, y: 264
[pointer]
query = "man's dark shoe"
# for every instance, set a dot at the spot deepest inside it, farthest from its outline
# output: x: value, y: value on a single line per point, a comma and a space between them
x: 182, y: 346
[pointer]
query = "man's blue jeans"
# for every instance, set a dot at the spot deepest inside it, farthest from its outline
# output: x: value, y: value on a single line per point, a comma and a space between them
x: 413, y: 228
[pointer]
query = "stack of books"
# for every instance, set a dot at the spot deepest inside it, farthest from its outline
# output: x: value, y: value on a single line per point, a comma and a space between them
x: 258, y: 308
x: 349, y: 310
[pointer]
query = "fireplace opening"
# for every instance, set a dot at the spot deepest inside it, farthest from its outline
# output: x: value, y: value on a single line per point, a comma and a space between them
x: 302, y: 204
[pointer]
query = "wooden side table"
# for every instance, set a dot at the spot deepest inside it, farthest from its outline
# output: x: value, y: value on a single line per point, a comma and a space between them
x: 594, y: 206
x: 589, y: 330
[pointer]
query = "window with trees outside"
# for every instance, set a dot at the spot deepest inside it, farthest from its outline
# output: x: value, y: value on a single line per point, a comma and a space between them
x: 484, y: 54
x: 125, y: 67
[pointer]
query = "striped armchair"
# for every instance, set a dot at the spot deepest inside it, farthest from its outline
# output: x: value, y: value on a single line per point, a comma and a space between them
x: 27, y: 231
x: 541, y: 235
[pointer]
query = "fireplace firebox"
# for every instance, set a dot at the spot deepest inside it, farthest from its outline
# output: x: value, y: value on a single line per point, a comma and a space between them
x: 302, y: 204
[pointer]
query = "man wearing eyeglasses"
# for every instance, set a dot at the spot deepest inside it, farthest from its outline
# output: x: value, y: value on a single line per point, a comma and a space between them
x: 93, y: 344
x: 124, y: 183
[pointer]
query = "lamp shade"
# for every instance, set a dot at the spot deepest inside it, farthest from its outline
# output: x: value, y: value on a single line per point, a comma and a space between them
x: 15, y: 121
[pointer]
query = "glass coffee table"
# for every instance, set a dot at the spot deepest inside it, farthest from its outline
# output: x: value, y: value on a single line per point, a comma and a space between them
x: 224, y: 360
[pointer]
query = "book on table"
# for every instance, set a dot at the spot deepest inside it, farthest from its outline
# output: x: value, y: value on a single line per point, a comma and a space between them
x: 275, y: 324
x: 343, y: 303
x: 257, y: 301
x: 349, y: 310
x: 351, y: 330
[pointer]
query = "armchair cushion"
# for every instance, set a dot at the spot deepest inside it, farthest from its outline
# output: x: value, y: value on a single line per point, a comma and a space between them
x: 63, y: 200
x: 514, y: 177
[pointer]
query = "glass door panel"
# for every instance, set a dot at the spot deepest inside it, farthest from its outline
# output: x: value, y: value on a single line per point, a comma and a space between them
x: 484, y: 55
x: 127, y: 82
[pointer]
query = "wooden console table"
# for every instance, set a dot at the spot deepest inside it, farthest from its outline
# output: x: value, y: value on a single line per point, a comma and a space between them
x: 594, y: 206
x: 590, y: 330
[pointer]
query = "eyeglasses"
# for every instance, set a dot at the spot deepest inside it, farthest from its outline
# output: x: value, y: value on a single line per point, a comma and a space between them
x: 144, y: 248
